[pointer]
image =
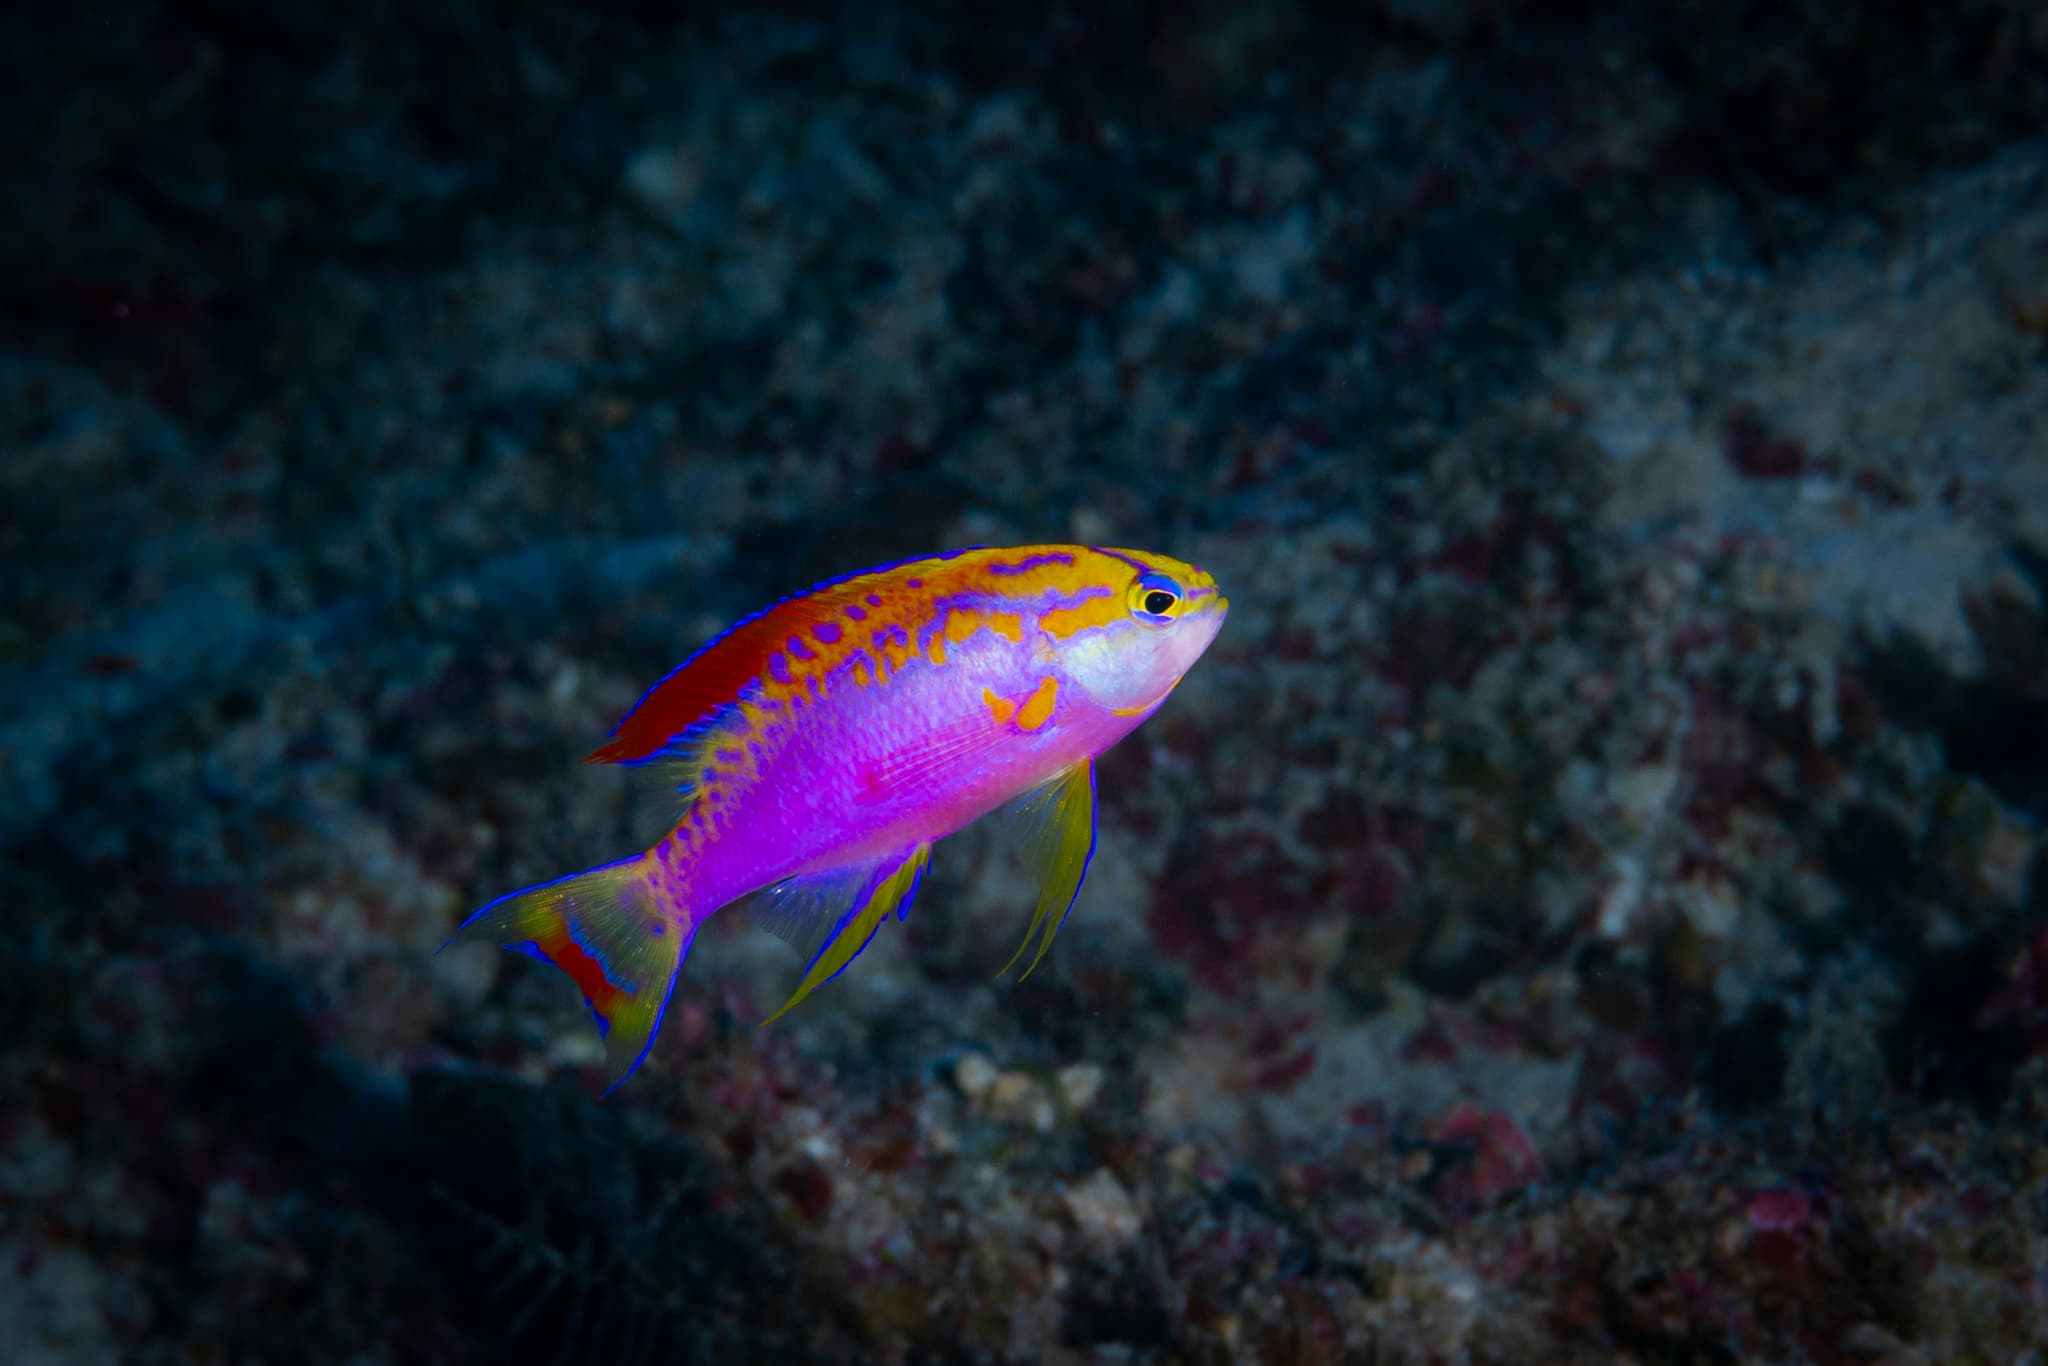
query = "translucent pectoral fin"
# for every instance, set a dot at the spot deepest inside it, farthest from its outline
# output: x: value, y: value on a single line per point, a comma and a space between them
x: 913, y: 767
x: 830, y: 917
x: 1058, y: 818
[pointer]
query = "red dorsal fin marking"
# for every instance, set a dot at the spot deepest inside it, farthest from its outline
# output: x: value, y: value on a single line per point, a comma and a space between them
x: 713, y: 678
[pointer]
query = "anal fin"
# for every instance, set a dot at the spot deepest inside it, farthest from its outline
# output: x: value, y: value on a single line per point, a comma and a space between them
x: 830, y: 917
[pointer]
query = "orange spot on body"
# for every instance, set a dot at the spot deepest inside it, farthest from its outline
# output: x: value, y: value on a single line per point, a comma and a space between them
x: 1037, y: 708
x: 1028, y: 715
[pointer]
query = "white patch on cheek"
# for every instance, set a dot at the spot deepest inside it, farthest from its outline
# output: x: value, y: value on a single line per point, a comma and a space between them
x: 1186, y: 645
x: 1130, y: 666
x: 1107, y: 667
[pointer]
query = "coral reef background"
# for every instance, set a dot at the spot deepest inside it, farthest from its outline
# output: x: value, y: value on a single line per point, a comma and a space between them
x: 1590, y: 905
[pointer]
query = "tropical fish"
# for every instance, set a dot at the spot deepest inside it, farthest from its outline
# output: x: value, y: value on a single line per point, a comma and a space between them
x: 817, y: 749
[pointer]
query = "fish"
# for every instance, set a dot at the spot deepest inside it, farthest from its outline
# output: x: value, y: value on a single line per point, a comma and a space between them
x: 815, y: 751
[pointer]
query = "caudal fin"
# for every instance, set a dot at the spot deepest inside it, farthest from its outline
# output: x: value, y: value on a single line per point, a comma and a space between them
x: 611, y: 933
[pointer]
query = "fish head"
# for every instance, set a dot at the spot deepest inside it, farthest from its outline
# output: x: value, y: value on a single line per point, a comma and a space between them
x: 1163, y: 613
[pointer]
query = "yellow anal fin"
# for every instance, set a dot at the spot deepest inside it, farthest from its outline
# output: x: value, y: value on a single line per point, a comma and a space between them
x: 1059, y: 821
x: 802, y: 912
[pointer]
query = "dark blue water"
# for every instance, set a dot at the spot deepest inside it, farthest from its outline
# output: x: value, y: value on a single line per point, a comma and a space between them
x: 1588, y: 905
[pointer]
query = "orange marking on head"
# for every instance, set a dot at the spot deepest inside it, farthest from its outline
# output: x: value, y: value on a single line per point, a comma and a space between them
x: 861, y: 674
x: 1037, y: 708
x: 936, y: 650
x: 1062, y: 622
x: 963, y: 622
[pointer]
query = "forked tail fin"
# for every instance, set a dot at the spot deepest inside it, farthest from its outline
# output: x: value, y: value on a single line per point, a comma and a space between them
x: 611, y: 931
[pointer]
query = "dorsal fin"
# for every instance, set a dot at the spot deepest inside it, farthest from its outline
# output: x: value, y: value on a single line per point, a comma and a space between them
x: 712, y: 679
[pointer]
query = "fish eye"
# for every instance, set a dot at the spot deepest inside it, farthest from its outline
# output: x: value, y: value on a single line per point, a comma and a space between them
x: 1155, y: 598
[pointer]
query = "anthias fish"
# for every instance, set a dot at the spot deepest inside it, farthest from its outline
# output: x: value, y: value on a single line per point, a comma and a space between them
x: 820, y: 747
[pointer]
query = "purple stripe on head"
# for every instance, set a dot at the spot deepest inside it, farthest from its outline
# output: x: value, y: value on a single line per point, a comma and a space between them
x: 1054, y: 599
x: 1141, y: 568
x: 798, y: 649
x: 874, y: 599
x: 826, y: 632
x: 855, y: 612
x: 1030, y: 562
x: 778, y: 667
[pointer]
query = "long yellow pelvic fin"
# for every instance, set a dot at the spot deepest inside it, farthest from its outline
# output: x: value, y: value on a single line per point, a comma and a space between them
x: 1059, y: 821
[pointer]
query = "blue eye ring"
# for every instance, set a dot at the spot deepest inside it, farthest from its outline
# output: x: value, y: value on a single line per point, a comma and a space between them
x: 1155, y: 598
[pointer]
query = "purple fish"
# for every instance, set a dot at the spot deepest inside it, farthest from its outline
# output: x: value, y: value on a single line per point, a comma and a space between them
x: 822, y: 746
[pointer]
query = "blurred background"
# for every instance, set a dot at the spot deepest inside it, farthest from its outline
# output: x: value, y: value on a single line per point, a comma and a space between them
x: 1588, y: 905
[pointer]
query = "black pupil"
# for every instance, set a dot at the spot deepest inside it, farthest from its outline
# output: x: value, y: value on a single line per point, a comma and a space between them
x: 1158, y: 602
